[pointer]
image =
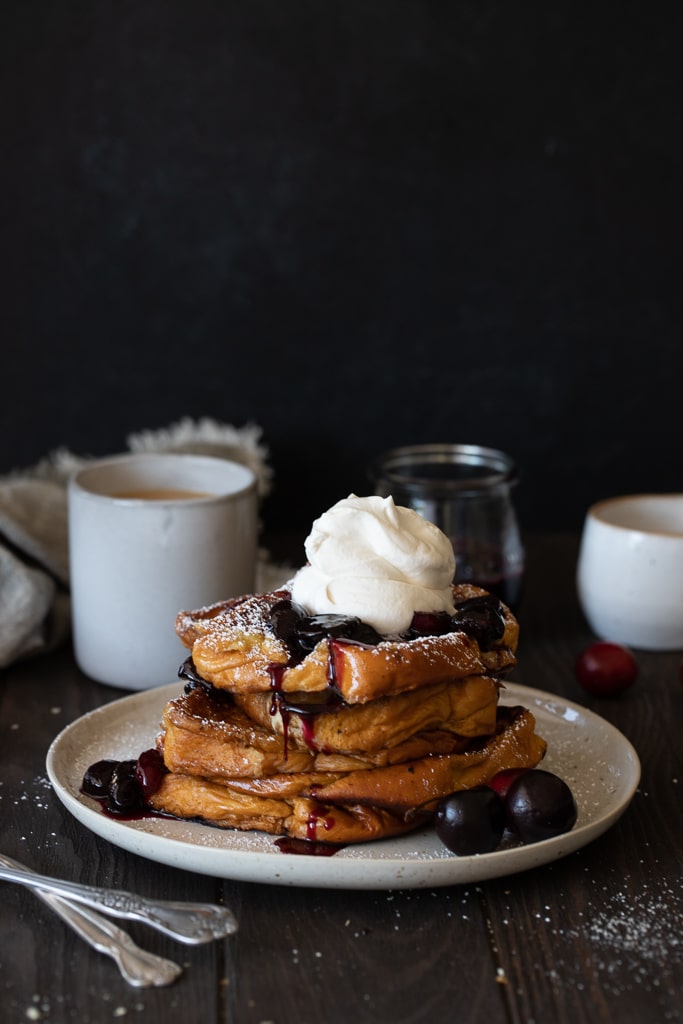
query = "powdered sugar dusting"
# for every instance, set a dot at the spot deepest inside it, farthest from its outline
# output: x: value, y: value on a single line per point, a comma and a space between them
x: 246, y: 619
x: 645, y: 926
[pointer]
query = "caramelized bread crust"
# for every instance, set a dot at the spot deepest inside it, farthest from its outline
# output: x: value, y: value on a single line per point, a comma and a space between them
x: 466, y: 707
x: 234, y: 647
x: 354, y: 806
x: 186, y: 796
x: 217, y: 739
x: 463, y: 706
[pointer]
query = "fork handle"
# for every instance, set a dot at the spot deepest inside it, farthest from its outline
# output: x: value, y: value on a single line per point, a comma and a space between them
x: 139, y: 967
x: 188, y: 922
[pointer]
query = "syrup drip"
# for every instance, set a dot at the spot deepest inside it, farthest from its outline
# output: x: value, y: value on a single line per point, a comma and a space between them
x: 188, y: 672
x: 332, y: 674
x: 308, y: 732
x: 306, y: 706
x: 276, y: 673
x: 309, y: 705
x: 316, y: 816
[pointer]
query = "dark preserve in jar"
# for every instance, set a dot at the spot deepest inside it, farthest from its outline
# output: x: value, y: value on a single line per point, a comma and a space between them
x: 466, y: 490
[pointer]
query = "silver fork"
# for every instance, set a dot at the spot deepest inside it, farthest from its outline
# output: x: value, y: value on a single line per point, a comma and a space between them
x: 192, y: 923
x: 137, y: 966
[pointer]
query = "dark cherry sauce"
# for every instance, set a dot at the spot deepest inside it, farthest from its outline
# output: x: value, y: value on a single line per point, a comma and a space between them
x: 334, y: 663
x: 316, y: 817
x: 188, y: 672
x: 308, y: 733
x: 141, y: 815
x: 276, y: 672
x: 124, y: 787
x: 306, y: 705
x: 480, y: 617
x: 307, y: 847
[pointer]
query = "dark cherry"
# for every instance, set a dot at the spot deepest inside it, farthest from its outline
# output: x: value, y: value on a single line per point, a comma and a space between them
x: 539, y: 805
x: 363, y: 633
x: 503, y: 780
x: 149, y: 772
x: 471, y: 821
x: 193, y: 681
x: 430, y: 624
x: 124, y: 794
x: 302, y: 633
x: 284, y: 618
x: 606, y: 669
x: 481, y: 618
x: 97, y: 779
x: 311, y: 629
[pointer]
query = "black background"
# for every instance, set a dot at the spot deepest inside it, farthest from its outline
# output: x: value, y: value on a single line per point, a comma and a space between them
x: 356, y: 224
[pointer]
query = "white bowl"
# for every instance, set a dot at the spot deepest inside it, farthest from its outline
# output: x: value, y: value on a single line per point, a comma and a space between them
x: 630, y: 570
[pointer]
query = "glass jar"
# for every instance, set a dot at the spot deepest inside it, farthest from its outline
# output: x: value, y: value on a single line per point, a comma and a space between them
x: 467, y: 491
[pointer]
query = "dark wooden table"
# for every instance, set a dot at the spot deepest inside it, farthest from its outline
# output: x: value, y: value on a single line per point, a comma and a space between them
x: 597, y: 936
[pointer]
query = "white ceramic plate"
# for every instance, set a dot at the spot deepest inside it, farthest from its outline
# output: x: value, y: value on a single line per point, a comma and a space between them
x: 598, y: 763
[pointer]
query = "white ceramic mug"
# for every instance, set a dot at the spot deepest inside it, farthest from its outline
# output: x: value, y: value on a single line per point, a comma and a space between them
x: 630, y: 570
x: 150, y: 535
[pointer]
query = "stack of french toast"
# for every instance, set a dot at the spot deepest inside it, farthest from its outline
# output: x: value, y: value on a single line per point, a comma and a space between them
x: 319, y: 728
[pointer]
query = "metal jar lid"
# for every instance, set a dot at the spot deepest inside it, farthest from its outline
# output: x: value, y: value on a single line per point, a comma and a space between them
x: 444, y: 468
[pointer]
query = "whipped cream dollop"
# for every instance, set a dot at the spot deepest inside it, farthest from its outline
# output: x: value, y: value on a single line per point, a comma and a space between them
x: 377, y: 560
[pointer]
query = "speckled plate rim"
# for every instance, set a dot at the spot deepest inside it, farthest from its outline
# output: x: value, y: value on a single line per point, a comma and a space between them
x: 593, y: 757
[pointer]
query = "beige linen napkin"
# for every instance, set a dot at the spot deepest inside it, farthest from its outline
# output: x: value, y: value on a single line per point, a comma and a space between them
x: 34, y: 555
x: 34, y: 571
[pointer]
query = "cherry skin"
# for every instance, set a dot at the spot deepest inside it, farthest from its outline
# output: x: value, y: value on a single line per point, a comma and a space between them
x: 539, y: 805
x: 430, y: 624
x: 97, y: 778
x: 124, y: 794
x: 149, y: 772
x: 606, y: 669
x: 503, y: 780
x: 470, y: 821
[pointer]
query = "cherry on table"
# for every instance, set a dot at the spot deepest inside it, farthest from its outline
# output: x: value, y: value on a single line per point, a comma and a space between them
x: 606, y: 669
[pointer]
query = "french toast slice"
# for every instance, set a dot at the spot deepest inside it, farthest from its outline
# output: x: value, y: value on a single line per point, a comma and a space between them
x: 466, y: 707
x: 355, y: 806
x: 217, y: 739
x: 189, y: 797
x: 235, y: 647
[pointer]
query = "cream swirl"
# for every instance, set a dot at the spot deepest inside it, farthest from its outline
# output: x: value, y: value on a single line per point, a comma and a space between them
x: 379, y: 561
